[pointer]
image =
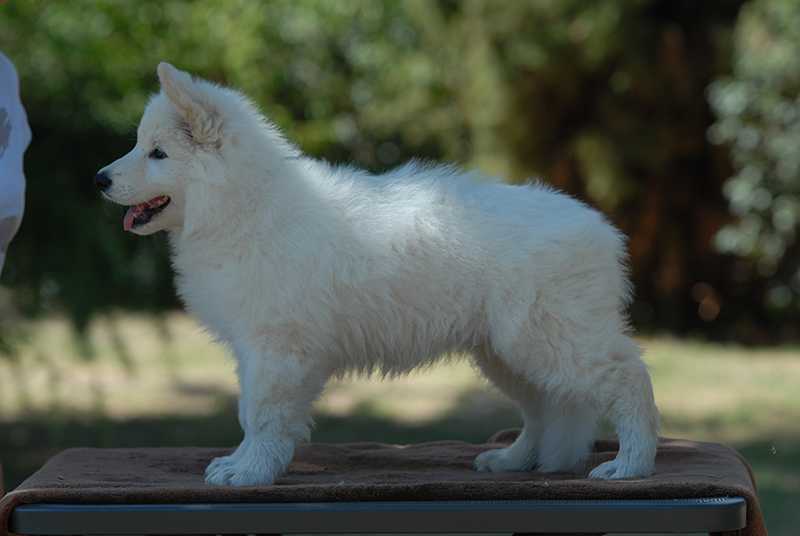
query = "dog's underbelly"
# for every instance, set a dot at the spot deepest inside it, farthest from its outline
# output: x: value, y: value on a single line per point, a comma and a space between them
x: 395, y: 345
x: 397, y: 324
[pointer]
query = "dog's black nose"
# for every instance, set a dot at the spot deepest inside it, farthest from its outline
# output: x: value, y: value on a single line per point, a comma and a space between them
x: 102, y: 181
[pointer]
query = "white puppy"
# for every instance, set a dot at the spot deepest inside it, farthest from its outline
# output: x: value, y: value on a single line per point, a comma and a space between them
x: 308, y: 271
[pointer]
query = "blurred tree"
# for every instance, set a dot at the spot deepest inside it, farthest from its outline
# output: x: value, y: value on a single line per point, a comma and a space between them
x: 759, y: 118
x: 604, y: 99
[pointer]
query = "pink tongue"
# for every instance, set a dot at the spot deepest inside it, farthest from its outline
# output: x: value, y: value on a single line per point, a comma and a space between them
x: 130, y: 215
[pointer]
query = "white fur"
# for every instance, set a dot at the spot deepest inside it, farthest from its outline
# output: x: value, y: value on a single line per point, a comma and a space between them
x: 308, y: 271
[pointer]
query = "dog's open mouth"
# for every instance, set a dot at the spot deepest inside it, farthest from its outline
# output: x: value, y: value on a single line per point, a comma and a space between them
x: 142, y: 213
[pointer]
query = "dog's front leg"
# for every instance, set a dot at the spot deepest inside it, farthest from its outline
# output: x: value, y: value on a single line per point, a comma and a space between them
x: 220, y: 464
x: 277, y: 391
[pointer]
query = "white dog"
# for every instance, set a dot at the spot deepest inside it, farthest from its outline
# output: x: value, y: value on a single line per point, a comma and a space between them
x: 308, y: 271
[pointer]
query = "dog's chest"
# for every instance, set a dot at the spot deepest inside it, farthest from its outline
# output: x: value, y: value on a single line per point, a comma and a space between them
x: 213, y: 292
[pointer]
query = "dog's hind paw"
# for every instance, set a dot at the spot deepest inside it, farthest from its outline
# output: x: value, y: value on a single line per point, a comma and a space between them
x: 506, y: 459
x: 617, y: 470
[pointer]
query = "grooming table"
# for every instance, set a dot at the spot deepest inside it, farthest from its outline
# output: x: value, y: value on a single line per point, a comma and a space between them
x: 371, y: 487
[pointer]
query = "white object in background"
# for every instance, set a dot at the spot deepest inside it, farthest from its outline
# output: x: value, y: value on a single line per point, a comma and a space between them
x: 15, y: 135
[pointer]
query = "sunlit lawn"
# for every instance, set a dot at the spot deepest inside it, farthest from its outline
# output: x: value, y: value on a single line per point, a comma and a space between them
x: 139, y: 383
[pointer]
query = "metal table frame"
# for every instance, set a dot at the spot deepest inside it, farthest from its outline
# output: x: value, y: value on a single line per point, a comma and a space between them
x: 723, y: 515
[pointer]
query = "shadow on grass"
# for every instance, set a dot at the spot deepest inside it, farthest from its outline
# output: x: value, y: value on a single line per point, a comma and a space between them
x: 774, y: 457
x: 777, y: 470
x: 25, y: 444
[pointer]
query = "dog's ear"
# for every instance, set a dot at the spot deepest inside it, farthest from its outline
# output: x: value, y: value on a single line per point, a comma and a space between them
x: 203, y: 121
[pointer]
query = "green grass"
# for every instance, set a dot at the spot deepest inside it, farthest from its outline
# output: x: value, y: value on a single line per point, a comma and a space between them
x: 138, y: 383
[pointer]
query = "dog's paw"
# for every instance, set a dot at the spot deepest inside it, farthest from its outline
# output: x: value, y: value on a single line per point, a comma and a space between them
x: 506, y: 459
x: 231, y: 471
x: 219, y: 464
x: 255, y: 463
x: 240, y: 474
x: 617, y: 470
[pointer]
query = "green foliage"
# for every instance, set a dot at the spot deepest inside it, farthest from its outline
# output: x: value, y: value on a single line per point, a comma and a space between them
x: 759, y: 117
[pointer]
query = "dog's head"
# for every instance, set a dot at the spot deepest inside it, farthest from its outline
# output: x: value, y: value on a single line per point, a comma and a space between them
x: 178, y: 156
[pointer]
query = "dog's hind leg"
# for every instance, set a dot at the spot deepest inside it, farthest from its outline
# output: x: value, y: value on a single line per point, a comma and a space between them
x: 558, y: 430
x: 569, y: 429
x: 627, y: 394
x: 521, y: 454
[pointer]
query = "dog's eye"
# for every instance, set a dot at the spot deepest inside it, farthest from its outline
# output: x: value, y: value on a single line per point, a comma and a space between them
x: 158, y: 154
